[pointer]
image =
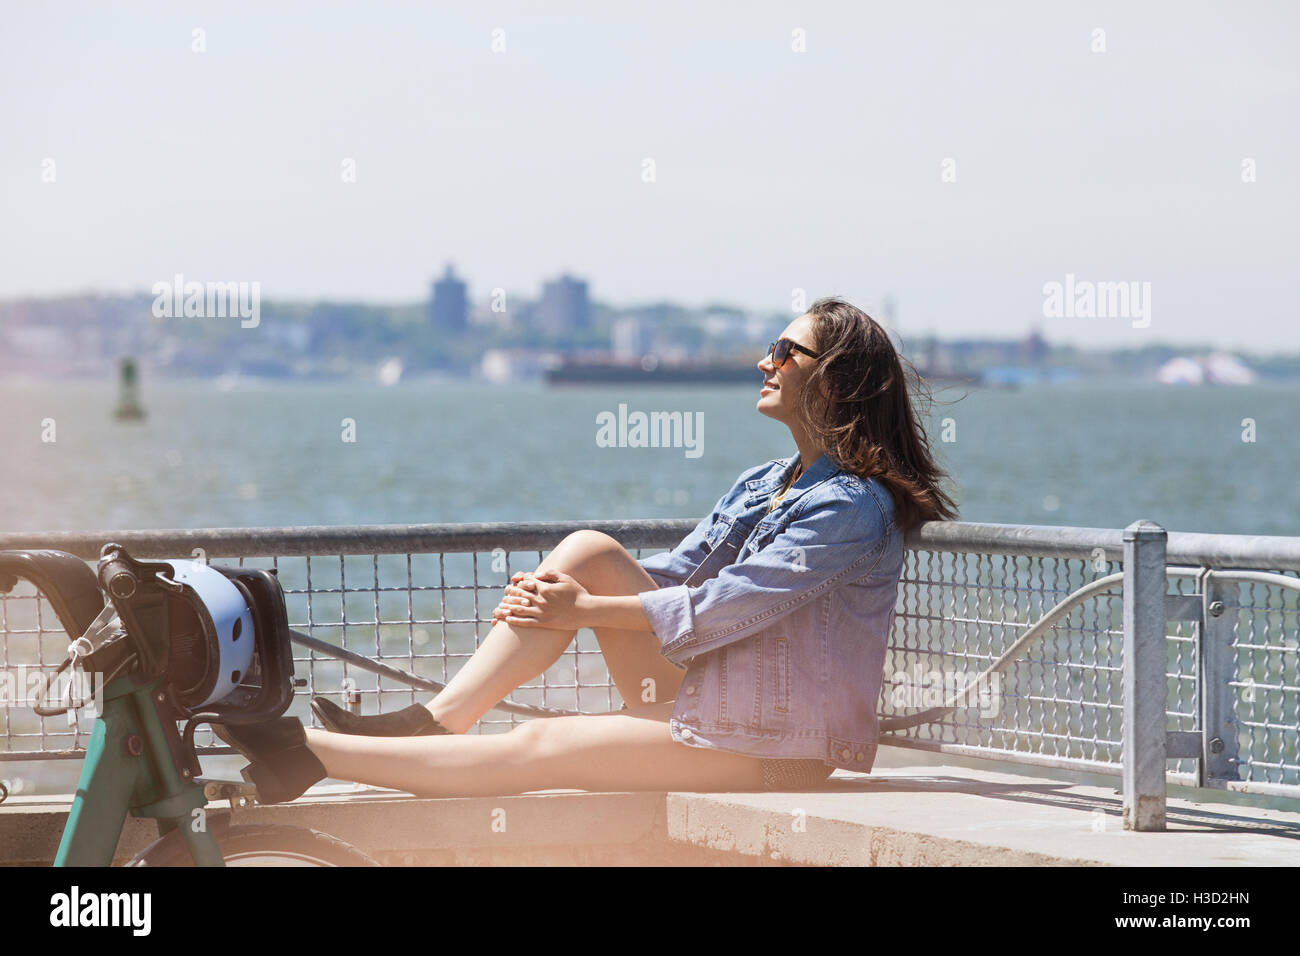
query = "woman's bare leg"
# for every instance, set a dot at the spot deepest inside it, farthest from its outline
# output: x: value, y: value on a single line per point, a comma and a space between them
x: 623, y: 751
x: 511, y: 656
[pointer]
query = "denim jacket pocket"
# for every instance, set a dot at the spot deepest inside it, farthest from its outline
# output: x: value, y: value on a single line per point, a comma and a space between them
x: 739, y: 684
x: 756, y: 683
x: 779, y: 655
x: 718, y: 532
x: 727, y: 536
x: 764, y: 532
x: 782, y: 689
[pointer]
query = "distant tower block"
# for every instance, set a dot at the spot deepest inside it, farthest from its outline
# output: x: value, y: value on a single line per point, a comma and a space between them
x: 449, y: 307
x: 128, y: 407
x: 565, y: 306
x: 1034, y: 348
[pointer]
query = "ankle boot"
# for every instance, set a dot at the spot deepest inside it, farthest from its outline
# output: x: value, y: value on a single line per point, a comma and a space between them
x: 413, y: 721
x: 281, y: 766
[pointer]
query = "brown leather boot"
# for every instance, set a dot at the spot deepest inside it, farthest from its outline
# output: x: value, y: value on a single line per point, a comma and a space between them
x: 413, y: 721
x: 281, y: 766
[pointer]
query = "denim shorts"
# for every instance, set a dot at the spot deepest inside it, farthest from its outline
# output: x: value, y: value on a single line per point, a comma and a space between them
x: 779, y: 774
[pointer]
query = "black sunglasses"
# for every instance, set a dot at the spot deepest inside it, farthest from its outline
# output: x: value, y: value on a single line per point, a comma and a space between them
x: 780, y: 351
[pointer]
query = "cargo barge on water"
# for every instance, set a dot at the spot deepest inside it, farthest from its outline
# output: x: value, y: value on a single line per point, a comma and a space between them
x: 573, y: 370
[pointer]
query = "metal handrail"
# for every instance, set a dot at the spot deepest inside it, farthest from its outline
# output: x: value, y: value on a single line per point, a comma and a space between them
x: 1220, y: 551
x: 1049, y: 541
x: 1035, y: 631
x: 309, y: 541
x: 1041, y: 626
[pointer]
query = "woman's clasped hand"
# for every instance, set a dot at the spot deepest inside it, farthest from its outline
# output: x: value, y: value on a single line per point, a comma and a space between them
x: 543, y: 599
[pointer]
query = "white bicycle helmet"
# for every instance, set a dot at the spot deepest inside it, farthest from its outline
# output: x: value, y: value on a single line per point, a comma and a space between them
x: 211, y: 635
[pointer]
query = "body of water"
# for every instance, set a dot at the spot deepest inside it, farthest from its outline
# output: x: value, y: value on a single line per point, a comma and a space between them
x: 1191, y: 459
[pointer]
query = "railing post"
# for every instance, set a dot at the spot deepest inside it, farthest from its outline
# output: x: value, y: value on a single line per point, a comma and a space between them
x: 1144, y: 680
x: 1218, y: 660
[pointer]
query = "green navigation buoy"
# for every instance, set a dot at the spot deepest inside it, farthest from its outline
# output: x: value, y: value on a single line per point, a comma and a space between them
x: 128, y: 407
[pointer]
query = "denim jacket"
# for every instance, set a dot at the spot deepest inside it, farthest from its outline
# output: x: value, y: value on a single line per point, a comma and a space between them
x: 781, y: 619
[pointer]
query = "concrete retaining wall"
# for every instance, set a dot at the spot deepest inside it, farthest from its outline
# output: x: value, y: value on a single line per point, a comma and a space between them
x: 910, y: 816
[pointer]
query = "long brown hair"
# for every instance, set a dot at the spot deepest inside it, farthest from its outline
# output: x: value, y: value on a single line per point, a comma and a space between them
x: 857, y: 404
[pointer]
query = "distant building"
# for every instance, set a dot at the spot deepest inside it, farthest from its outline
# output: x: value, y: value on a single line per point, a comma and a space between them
x: 935, y: 359
x: 888, y: 319
x: 508, y: 366
x: 449, y: 307
x: 565, y: 306
x: 630, y: 337
x: 1217, y: 368
x: 889, y: 312
x: 1034, y: 348
x: 1181, y: 370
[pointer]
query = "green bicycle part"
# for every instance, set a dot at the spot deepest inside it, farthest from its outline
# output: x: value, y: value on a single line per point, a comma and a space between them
x: 129, y: 768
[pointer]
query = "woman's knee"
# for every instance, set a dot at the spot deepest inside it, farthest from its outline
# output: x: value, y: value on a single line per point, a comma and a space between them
x: 585, y: 554
x: 582, y: 546
x: 530, y: 737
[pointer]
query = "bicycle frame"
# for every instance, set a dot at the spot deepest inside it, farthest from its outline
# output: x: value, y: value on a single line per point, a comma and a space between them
x: 130, y: 766
x: 137, y: 761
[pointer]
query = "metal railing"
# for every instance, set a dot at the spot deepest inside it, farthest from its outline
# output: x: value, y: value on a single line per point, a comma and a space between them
x: 1008, y: 642
x: 1210, y: 623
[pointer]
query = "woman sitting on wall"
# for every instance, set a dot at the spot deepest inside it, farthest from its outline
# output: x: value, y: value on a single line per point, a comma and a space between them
x: 750, y: 656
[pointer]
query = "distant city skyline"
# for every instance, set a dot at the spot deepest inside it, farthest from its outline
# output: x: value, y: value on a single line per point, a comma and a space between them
x: 956, y: 160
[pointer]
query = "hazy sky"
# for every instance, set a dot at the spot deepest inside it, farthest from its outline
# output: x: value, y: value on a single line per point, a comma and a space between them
x: 774, y: 169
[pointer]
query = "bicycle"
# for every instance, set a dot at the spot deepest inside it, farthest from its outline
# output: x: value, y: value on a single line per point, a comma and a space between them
x: 170, y: 640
